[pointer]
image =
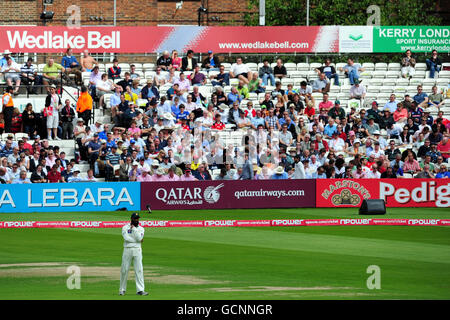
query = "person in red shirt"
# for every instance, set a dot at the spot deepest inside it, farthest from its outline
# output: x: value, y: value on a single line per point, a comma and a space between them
x: 218, y: 124
x: 444, y: 148
x: 26, y: 145
x: 309, y: 110
x: 54, y: 175
x: 184, y: 125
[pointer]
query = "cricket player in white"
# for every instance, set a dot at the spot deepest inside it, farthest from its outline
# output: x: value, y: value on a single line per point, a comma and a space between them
x: 133, y: 236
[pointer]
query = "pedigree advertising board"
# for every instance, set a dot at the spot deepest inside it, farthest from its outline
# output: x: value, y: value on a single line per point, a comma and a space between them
x: 345, y: 193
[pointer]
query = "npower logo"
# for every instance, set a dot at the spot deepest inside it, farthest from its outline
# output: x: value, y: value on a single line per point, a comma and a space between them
x: 160, y: 223
x: 355, y: 221
x: 63, y: 40
x: 423, y: 222
x: 85, y: 224
x: 18, y: 224
x: 285, y: 222
x: 220, y: 223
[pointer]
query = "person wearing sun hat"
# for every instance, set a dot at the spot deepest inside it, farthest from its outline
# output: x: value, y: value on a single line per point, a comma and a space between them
x: 279, y: 174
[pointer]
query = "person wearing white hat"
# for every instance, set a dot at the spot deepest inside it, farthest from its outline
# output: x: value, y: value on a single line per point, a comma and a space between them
x: 279, y: 174
x: 75, y: 175
x: 11, y: 71
x: 6, y: 54
x: 159, y: 175
x: 144, y: 177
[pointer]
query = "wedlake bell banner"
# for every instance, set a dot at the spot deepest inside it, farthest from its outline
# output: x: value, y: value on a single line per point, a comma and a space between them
x: 396, y: 192
x: 228, y: 194
x: 158, y: 39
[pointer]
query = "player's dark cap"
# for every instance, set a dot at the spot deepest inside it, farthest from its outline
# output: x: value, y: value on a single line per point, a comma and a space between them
x: 135, y: 215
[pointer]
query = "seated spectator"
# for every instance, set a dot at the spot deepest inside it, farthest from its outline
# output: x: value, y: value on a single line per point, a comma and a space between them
x: 305, y: 92
x: 161, y: 77
x: 279, y: 174
x: 54, y: 175
x: 29, y: 76
x: 38, y: 176
x: 444, y: 148
x: 433, y: 63
x: 197, y: 78
x: 221, y: 79
x: 188, y: 63
x: 254, y: 85
x: 165, y: 61
x: 243, y: 90
x: 11, y: 71
x: 133, y: 74
x: 391, y: 105
x: 329, y: 71
x: 87, y: 61
x: 71, y: 65
x: 115, y: 70
x: 266, y: 73
x: 321, y: 84
x: 408, y: 63
x: 443, y: 172
x: 211, y: 62
x: 240, y: 71
x: 103, y: 87
x: 421, y: 98
x: 337, y: 113
x: 401, y: 114
x: 279, y: 70
x: 130, y: 96
x: 352, y: 70
x: 357, y: 91
x: 435, y: 99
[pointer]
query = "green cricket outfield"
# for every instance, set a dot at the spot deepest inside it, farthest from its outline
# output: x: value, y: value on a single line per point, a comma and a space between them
x: 314, y: 262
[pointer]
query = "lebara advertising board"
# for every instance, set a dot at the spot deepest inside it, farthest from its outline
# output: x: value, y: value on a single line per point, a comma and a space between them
x: 58, y: 197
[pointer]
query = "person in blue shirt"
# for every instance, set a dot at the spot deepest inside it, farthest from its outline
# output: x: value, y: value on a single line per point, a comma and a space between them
x: 330, y: 128
x: 211, y: 62
x: 421, y: 98
x: 3, y: 60
x: 320, y: 174
x: 443, y: 172
x: 71, y: 65
x: 352, y: 70
x: 234, y: 96
x: 150, y: 93
x: 279, y: 174
x: 182, y: 113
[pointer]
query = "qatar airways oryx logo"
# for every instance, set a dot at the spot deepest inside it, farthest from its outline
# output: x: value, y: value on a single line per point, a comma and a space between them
x: 63, y: 40
x: 212, y: 194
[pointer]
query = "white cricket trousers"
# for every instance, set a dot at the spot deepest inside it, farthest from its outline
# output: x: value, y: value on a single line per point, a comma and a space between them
x: 134, y: 254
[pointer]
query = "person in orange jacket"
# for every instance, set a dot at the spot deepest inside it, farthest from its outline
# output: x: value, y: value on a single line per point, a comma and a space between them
x: 84, y: 105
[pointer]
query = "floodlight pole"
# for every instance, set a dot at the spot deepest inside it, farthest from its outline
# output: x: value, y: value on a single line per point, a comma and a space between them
x: 307, y: 12
x: 262, y: 12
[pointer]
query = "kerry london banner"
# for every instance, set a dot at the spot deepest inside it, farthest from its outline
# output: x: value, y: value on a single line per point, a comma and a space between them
x: 228, y: 194
x: 396, y: 192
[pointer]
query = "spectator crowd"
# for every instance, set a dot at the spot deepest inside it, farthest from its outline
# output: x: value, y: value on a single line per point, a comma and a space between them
x: 169, y: 130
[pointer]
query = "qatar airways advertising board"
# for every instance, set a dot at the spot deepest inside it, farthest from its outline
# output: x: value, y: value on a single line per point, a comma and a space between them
x: 58, y: 197
x: 396, y: 192
x: 228, y: 194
